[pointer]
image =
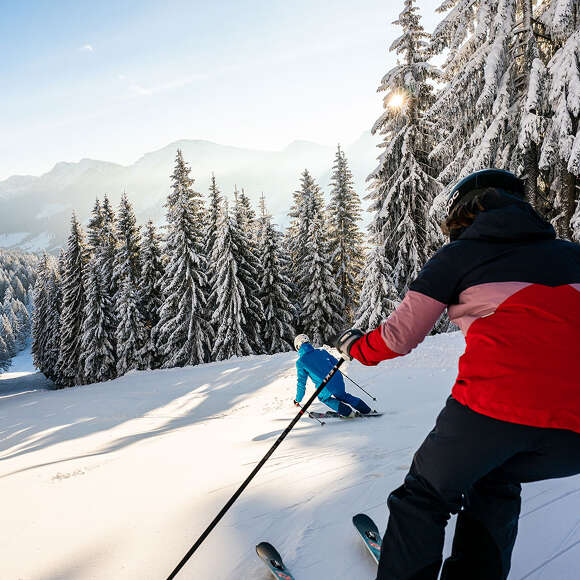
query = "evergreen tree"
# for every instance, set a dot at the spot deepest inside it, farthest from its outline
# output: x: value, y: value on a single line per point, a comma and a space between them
x: 98, y: 341
x: 320, y: 310
x: 5, y: 358
x: 229, y: 295
x: 249, y: 270
x: 106, y: 253
x: 560, y: 81
x: 275, y: 292
x: 246, y: 215
x: 183, y: 332
x: 130, y: 334
x: 98, y: 351
x: 95, y: 227
x: 40, y: 313
x: 345, y: 237
x: 70, y: 371
x: 473, y: 111
x: 52, y: 323
x: 213, y: 215
x: 306, y: 209
x: 150, y: 298
x: 402, y: 187
x: 8, y: 336
x: 18, y: 317
x: 211, y: 232
x: 379, y: 296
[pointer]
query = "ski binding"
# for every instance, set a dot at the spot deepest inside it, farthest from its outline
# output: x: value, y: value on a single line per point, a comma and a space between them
x: 369, y: 533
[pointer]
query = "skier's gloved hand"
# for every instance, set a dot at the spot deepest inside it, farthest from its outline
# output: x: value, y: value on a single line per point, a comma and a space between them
x: 345, y: 341
x: 296, y: 403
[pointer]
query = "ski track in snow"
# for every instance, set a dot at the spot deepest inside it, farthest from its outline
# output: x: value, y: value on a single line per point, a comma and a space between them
x: 117, y: 480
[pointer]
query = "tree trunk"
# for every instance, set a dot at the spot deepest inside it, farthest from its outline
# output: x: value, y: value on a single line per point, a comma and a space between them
x: 568, y: 204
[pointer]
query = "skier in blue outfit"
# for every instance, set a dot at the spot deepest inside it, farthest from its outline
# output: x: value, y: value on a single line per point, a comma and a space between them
x: 316, y: 364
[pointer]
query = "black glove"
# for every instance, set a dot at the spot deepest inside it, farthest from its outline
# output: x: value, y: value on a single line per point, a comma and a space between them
x: 346, y: 340
x: 296, y: 403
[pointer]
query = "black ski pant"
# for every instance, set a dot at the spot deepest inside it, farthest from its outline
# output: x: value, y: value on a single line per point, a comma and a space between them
x: 474, y: 465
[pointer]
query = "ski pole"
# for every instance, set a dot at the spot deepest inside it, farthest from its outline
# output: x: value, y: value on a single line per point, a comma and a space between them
x: 373, y: 398
x: 312, y: 416
x: 245, y: 484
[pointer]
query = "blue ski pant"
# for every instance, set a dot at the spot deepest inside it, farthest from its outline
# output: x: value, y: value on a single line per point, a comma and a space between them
x: 337, y: 398
x: 473, y: 465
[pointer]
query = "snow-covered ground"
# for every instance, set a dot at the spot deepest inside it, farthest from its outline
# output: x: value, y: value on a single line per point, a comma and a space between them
x: 117, y: 480
x: 22, y: 377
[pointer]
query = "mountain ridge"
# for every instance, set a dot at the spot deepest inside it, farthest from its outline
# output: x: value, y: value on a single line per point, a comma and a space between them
x: 75, y: 184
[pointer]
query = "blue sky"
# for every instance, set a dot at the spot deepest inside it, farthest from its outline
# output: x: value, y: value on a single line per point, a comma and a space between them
x: 113, y: 80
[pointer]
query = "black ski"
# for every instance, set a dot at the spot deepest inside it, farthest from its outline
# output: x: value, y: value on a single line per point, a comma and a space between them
x: 369, y: 533
x: 335, y: 415
x: 270, y: 556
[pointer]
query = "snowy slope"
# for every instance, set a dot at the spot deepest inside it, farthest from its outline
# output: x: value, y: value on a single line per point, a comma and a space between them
x: 117, y: 480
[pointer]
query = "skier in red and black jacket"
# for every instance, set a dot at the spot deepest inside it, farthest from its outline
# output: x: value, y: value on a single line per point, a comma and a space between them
x: 514, y: 412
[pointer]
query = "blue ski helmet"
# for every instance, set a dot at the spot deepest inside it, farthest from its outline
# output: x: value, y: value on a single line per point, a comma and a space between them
x: 476, y: 183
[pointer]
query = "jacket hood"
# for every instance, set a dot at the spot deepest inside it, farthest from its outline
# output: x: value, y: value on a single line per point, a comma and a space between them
x: 306, y: 347
x: 517, y: 222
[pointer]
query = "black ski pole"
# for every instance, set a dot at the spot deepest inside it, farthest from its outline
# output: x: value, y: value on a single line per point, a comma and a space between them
x: 312, y: 416
x: 245, y: 484
x: 373, y: 398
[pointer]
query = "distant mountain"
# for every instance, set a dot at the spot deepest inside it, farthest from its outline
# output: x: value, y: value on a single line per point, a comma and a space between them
x: 35, y: 211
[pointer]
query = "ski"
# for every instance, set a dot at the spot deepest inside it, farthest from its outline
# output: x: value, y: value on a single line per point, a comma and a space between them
x: 335, y: 415
x: 369, y: 533
x: 270, y: 556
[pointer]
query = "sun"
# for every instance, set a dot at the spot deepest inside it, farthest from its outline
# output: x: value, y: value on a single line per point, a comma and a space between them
x: 396, y: 101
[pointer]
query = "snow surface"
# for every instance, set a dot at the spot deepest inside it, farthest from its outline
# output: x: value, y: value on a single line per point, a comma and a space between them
x: 117, y: 480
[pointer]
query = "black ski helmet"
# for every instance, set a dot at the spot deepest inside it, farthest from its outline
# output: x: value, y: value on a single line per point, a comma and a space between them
x: 477, y: 182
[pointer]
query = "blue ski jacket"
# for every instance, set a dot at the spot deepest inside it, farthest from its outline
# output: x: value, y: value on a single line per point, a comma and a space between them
x: 316, y: 363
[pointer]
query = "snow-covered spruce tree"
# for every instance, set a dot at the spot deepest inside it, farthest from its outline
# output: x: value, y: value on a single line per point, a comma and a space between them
x: 5, y: 358
x: 275, y: 292
x: 249, y: 270
x: 229, y: 296
x: 39, y: 326
x: 560, y: 149
x: 130, y: 334
x: 8, y: 335
x: 246, y: 215
x: 378, y: 297
x: 212, y: 216
x: 106, y: 253
x: 307, y: 201
x: 17, y: 314
x: 530, y: 49
x: 183, y: 332
x: 95, y: 227
x: 98, y: 351
x: 212, y: 219
x: 99, y: 327
x: 402, y: 187
x: 70, y: 363
x: 52, y: 322
x: 150, y: 298
x: 473, y: 112
x: 345, y: 236
x: 320, y: 314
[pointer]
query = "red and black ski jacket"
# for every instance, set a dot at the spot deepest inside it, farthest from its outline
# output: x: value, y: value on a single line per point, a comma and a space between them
x: 514, y: 291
